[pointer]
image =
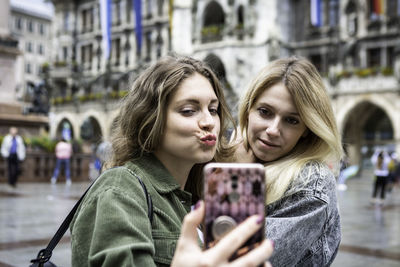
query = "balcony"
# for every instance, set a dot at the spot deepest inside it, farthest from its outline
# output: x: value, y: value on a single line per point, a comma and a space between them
x: 61, y: 70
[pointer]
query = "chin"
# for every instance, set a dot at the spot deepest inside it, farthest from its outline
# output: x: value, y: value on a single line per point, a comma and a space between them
x: 205, y: 158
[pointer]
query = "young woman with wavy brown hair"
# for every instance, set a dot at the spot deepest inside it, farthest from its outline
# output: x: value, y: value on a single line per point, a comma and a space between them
x: 170, y: 124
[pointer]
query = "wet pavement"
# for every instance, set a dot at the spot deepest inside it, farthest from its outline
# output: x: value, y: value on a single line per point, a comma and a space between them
x: 31, y: 214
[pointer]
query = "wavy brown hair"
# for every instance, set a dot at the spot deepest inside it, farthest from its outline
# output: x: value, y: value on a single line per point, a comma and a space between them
x: 142, y: 117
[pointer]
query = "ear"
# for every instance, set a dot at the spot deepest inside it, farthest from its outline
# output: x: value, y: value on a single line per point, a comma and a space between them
x: 305, y: 133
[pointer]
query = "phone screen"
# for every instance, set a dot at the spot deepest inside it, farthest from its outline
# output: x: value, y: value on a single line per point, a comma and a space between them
x: 233, y: 192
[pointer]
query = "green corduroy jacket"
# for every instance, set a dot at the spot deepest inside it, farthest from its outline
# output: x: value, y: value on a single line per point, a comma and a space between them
x: 111, y: 226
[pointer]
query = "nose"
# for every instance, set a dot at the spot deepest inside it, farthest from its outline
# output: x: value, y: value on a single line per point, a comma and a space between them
x: 273, y: 128
x: 207, y: 121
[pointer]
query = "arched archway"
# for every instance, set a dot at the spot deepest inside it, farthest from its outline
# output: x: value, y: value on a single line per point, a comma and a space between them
x: 213, y: 22
x: 63, y: 127
x: 218, y: 67
x: 91, y: 130
x: 367, y: 126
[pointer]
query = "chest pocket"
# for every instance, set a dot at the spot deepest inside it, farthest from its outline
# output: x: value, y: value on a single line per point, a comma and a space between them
x: 164, y: 245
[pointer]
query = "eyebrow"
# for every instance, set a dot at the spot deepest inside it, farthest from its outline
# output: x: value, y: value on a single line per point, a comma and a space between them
x: 195, y: 101
x: 271, y: 107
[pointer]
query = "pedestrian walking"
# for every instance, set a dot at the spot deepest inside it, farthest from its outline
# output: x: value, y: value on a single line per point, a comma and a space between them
x: 63, y: 155
x: 380, y: 160
x: 13, y: 150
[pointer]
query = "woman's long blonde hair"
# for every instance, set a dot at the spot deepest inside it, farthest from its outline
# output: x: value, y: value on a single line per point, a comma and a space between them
x: 141, y: 121
x: 322, y: 143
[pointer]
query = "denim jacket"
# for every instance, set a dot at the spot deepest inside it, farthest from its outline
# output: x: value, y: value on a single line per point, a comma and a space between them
x: 305, y: 223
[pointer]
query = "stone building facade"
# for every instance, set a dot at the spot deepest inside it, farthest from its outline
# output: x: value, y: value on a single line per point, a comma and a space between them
x: 354, y: 45
x: 32, y: 28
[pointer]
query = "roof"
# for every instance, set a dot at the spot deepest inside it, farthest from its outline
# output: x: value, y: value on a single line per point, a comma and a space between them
x: 36, y: 8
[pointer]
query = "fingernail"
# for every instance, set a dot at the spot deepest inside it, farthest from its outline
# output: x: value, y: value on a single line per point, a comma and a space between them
x: 272, y: 243
x: 197, y: 205
x: 260, y: 219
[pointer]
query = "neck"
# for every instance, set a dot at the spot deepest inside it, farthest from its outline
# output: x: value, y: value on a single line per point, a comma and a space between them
x: 177, y: 168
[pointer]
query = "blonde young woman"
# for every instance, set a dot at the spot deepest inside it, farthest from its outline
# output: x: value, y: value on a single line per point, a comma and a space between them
x: 171, y: 123
x: 287, y: 124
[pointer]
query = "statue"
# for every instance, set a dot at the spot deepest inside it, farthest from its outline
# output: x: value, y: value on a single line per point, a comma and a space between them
x: 40, y: 101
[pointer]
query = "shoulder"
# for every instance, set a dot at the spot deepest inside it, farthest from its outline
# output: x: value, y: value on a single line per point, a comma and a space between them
x: 316, y: 179
x: 117, y: 181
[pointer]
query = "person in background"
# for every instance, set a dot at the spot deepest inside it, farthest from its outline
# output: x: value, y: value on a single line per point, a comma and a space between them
x: 392, y: 167
x: 380, y: 160
x: 13, y: 149
x: 63, y: 155
x: 170, y: 125
x: 287, y: 123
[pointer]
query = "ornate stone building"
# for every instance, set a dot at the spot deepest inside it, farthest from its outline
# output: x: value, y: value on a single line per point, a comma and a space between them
x: 355, y: 45
x: 30, y: 24
x: 86, y: 88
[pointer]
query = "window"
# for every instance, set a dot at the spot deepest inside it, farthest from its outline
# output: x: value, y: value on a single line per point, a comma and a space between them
x: 84, y: 18
x: 324, y: 13
x: 87, y: 55
x: 30, y: 25
x: 390, y: 56
x: 333, y: 13
x: 65, y: 53
x: 160, y: 4
x: 317, y: 61
x: 116, y: 16
x: 148, y: 47
x: 393, y: 9
x: 374, y: 57
x: 66, y: 20
x: 28, y: 68
x: 116, y: 50
x: 40, y: 49
x: 41, y: 29
x: 18, y: 23
x: 29, y: 47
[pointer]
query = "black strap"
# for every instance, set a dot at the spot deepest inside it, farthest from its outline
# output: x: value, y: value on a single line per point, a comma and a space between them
x: 44, y: 255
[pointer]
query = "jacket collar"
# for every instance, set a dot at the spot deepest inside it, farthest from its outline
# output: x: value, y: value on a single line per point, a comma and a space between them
x: 149, y: 168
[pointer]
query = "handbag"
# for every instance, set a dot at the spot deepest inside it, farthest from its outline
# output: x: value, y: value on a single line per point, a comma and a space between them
x: 44, y: 255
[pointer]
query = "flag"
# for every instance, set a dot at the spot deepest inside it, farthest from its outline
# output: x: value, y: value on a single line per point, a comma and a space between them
x: 170, y: 14
x: 378, y: 7
x: 137, y: 8
x: 105, y: 20
x: 316, y: 13
x: 398, y: 7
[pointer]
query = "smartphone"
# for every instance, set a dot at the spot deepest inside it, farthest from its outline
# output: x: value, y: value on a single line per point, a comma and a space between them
x: 233, y: 192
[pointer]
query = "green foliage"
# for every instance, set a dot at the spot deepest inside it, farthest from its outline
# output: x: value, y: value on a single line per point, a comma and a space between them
x: 211, y: 30
x: 387, y: 71
x: 42, y: 143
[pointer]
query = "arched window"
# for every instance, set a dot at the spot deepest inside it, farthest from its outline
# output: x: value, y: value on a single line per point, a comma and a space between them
x: 91, y: 130
x: 213, y: 22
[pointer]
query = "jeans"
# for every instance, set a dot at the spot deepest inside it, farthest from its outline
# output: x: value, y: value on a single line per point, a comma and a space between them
x: 66, y: 164
x: 380, y: 184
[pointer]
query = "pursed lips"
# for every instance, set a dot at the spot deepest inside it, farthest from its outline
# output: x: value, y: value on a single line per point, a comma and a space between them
x: 209, y: 139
